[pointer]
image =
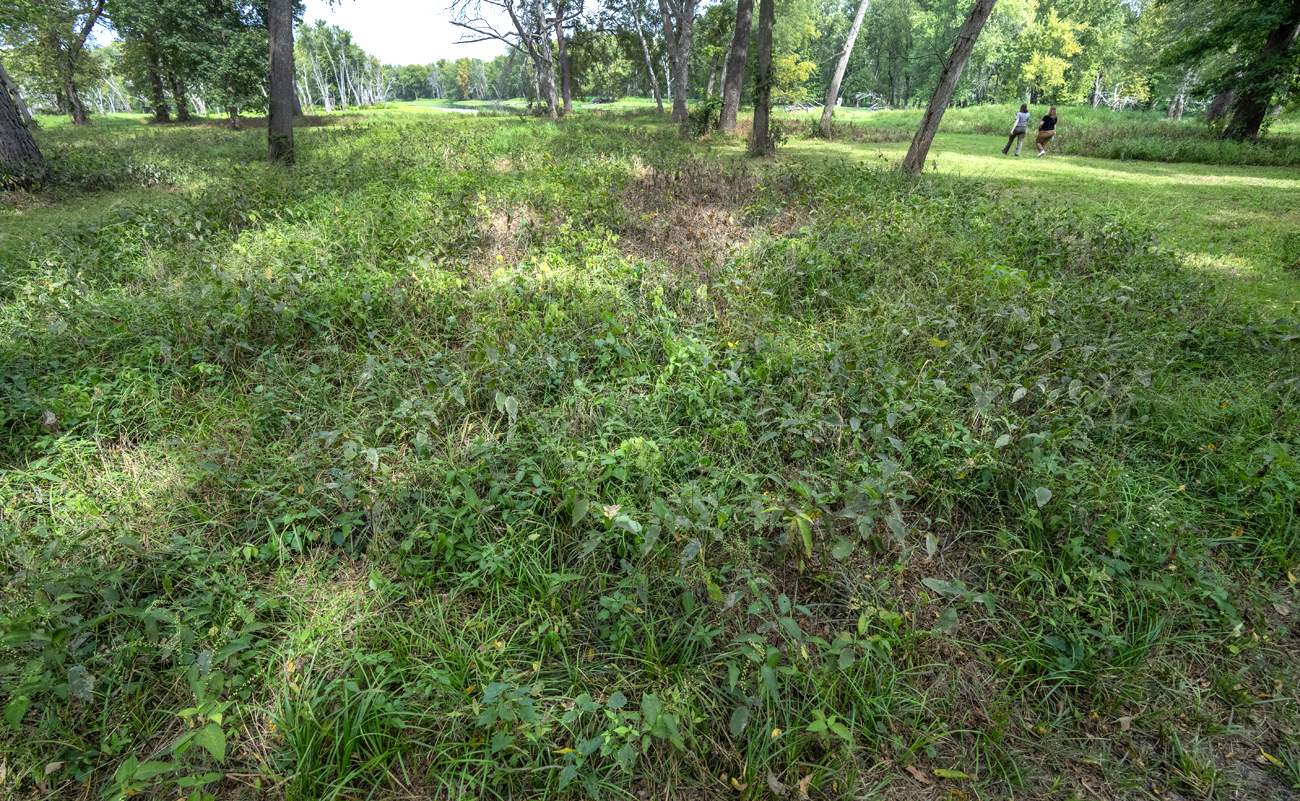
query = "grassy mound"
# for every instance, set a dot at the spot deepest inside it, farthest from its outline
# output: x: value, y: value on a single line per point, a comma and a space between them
x: 504, y: 459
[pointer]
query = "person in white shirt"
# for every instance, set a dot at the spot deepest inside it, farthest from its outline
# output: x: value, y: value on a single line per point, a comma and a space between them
x: 1018, y: 129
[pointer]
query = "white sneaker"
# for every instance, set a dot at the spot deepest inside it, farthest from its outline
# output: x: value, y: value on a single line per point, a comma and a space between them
x: 1042, y: 153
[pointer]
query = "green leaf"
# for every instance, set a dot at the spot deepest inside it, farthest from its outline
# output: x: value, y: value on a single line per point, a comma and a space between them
x: 567, y: 775
x: 944, y: 773
x: 805, y: 531
x: 769, y: 680
x: 739, y: 719
x: 1042, y: 495
x: 674, y: 736
x: 947, y: 619
x: 82, y: 683
x: 650, y: 709
x: 715, y: 592
x: 150, y: 769
x: 579, y: 510
x: 213, y: 740
x: 1002, y: 441
x: 842, y: 730
x: 617, y: 701
x: 847, y: 658
x: 842, y: 548
x: 512, y: 407
x: 16, y: 709
x: 126, y: 771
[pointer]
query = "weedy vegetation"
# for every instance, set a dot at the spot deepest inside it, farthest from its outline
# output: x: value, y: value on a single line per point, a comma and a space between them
x: 492, y: 458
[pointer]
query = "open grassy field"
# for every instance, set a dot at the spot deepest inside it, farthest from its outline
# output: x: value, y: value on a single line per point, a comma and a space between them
x: 496, y: 458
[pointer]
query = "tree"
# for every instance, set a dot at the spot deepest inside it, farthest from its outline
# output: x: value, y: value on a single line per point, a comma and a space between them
x: 734, y: 80
x: 279, y: 123
x: 763, y: 143
x: 530, y: 32
x: 55, y: 31
x: 679, y: 32
x: 961, y: 49
x: 20, y: 158
x: 1262, y: 78
x: 833, y: 93
x: 8, y: 87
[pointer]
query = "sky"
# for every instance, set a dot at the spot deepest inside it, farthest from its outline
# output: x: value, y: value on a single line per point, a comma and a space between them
x: 401, y: 31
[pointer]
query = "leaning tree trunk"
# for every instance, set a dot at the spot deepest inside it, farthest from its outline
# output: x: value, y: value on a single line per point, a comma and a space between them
x: 649, y: 65
x: 961, y: 50
x: 8, y: 86
x: 762, y: 143
x: 20, y: 159
x: 562, y: 48
x: 713, y: 73
x: 279, y: 122
x: 1262, y: 78
x: 833, y: 93
x: 75, y: 106
x: 733, y: 78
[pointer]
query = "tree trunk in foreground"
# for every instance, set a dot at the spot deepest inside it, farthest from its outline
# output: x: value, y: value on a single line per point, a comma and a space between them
x: 1262, y: 78
x: 762, y: 143
x: 279, y: 122
x: 733, y: 76
x: 833, y: 93
x: 20, y: 158
x: 562, y: 46
x: 7, y: 85
x: 160, y: 113
x: 961, y: 50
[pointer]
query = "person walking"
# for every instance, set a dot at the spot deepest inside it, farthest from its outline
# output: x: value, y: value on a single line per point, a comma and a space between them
x: 1018, y: 129
x: 1046, y: 130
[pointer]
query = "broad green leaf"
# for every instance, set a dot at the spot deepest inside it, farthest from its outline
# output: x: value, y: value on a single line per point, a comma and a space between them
x: 16, y: 709
x: 579, y: 510
x: 1042, y: 495
x: 847, y: 658
x: 617, y: 701
x: 650, y: 709
x: 947, y: 619
x: 512, y: 407
x: 82, y: 683
x: 150, y: 769
x: 213, y: 740
x: 842, y: 548
x: 715, y: 592
x: 567, y: 775
x: 739, y: 719
x: 1002, y: 441
x: 805, y: 531
x: 842, y: 730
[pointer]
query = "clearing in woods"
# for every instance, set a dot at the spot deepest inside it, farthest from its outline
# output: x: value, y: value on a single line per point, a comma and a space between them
x: 496, y: 458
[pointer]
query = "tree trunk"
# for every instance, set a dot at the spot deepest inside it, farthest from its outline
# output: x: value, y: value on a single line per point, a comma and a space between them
x: 1096, y: 89
x: 649, y: 65
x: 178, y: 95
x: 7, y: 85
x: 75, y: 107
x: 734, y: 79
x: 1262, y: 78
x: 961, y: 50
x: 20, y: 159
x: 279, y: 122
x: 160, y: 113
x: 834, y: 92
x: 547, y: 65
x: 297, y: 99
x: 713, y: 73
x: 562, y: 46
x: 679, y: 39
x: 762, y: 143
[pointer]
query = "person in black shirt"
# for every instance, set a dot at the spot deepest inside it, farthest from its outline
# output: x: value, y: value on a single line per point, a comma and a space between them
x: 1046, y: 130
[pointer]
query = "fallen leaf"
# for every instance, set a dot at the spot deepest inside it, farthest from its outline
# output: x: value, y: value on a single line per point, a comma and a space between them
x: 945, y: 773
x: 1125, y: 722
x: 774, y: 784
x: 919, y: 775
x: 1269, y: 758
x: 738, y: 785
x: 803, y: 786
x: 1281, y: 609
x: 53, y: 766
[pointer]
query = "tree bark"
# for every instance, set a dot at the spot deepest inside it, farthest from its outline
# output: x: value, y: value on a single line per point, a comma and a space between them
x: 713, y: 73
x: 547, y: 65
x: 1255, y: 92
x: 7, y: 84
x: 734, y: 79
x: 562, y: 46
x: 279, y: 121
x: 20, y: 158
x: 160, y: 113
x: 178, y: 97
x: 679, y: 38
x: 649, y: 65
x: 762, y: 143
x: 961, y: 50
x: 833, y: 93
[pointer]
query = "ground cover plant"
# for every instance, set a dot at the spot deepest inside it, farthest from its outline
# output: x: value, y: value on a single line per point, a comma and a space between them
x: 500, y: 458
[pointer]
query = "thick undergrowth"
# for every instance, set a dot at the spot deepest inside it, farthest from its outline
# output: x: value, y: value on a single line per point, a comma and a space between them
x: 501, y: 459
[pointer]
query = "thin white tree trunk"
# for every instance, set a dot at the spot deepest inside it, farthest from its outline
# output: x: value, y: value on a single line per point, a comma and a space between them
x: 834, y: 92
